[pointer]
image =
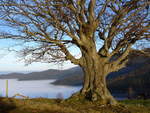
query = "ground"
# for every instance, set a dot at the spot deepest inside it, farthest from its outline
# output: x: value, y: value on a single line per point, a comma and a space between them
x: 43, y: 105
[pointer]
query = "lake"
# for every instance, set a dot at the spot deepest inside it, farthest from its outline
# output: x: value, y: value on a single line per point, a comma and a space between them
x: 41, y: 88
x: 36, y: 88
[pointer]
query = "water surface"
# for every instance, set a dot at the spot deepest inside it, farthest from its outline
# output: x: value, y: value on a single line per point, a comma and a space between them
x: 36, y: 88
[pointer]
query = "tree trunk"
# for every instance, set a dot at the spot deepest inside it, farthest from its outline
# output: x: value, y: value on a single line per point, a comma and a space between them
x: 95, y: 68
x: 95, y: 87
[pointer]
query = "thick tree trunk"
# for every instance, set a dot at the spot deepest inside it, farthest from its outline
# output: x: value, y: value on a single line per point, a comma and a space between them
x: 95, y: 68
x: 95, y: 87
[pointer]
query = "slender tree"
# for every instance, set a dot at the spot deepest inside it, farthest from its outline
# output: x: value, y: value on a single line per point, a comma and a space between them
x: 103, y: 30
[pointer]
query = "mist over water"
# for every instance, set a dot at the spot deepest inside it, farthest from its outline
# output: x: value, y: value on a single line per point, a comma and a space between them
x: 36, y: 88
x: 5, y: 73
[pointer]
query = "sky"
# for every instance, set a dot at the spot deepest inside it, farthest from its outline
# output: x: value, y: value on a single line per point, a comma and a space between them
x: 11, y: 62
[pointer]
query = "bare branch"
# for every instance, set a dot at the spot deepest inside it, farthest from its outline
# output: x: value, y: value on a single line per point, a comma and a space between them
x: 59, y: 24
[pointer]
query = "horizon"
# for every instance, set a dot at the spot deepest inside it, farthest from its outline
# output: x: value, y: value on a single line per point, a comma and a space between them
x: 26, y: 72
x: 11, y: 62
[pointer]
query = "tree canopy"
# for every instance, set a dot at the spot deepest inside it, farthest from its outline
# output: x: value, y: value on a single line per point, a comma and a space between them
x: 103, y: 30
x: 59, y: 24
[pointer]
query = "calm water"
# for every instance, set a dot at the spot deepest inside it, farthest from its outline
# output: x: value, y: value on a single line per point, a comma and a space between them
x: 37, y: 88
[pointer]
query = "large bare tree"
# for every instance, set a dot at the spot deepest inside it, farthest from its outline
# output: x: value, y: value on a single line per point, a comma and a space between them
x: 103, y: 30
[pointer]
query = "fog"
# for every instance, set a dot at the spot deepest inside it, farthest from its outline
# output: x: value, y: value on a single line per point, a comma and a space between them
x: 36, y: 88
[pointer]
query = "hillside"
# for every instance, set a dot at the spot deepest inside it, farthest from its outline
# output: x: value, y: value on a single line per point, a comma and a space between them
x: 135, y: 75
x: 48, y: 74
x: 138, y: 65
x: 44, y: 75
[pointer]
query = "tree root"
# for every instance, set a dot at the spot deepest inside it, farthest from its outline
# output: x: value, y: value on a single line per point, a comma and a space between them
x: 82, y: 98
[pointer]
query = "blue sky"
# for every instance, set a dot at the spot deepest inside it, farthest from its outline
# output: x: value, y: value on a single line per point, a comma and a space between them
x: 11, y: 62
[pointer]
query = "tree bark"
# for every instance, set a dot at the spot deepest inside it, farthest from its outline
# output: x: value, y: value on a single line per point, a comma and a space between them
x: 95, y: 87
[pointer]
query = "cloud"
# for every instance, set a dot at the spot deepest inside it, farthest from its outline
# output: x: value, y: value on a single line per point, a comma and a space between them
x: 11, y: 63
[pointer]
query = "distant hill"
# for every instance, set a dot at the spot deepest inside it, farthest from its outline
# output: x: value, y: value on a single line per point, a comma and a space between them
x: 48, y: 74
x: 75, y: 78
x: 136, y: 61
x: 44, y: 75
x: 135, y: 75
x: 138, y: 65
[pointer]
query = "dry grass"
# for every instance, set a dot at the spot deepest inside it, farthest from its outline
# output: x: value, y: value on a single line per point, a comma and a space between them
x: 41, y: 105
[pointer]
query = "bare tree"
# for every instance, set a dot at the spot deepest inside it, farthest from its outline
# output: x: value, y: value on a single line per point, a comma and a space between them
x: 103, y: 30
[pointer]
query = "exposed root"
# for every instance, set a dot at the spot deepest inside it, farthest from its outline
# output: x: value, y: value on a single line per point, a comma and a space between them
x: 80, y: 98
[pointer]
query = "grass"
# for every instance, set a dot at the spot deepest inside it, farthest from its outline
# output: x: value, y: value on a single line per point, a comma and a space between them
x: 145, y: 103
x: 43, y: 105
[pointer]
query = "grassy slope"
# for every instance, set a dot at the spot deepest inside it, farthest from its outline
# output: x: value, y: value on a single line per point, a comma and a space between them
x: 41, y: 105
